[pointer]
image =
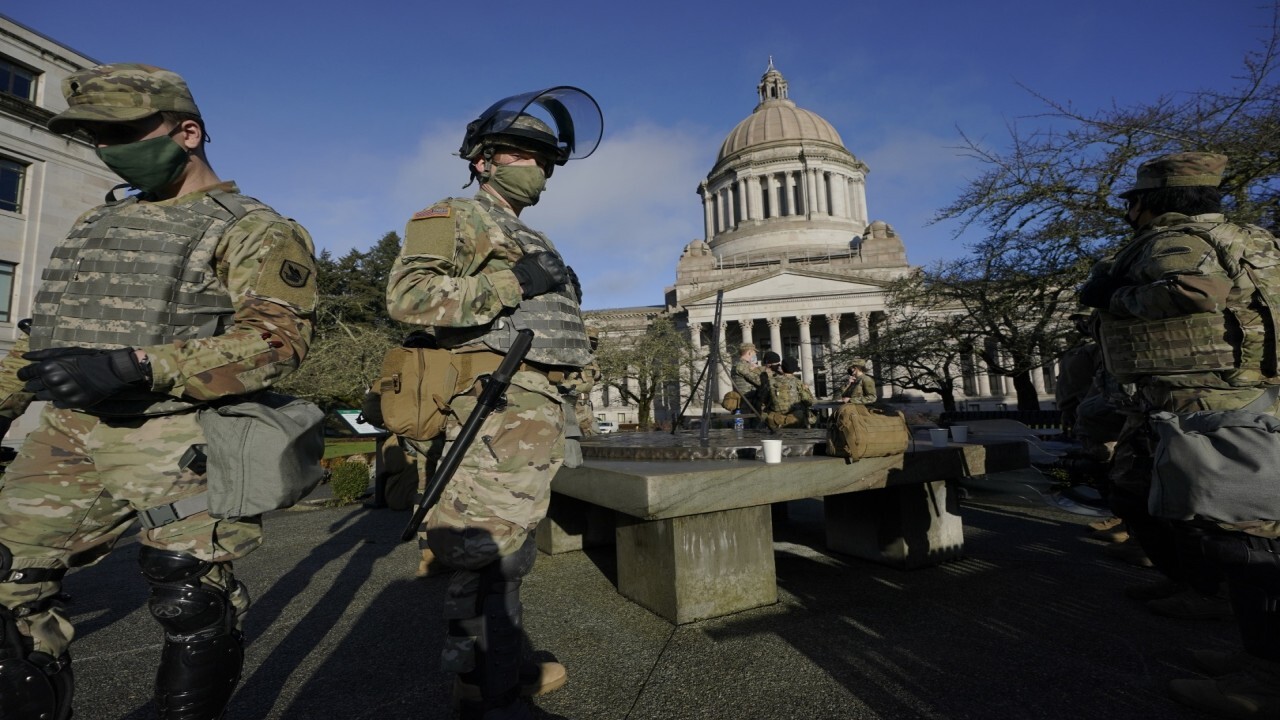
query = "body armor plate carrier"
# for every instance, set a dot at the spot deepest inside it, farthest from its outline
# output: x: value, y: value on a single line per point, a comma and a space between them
x: 559, y: 335
x: 1240, y: 341
x: 135, y: 274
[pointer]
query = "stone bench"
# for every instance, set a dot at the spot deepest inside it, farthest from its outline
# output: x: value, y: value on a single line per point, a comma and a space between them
x: 695, y: 537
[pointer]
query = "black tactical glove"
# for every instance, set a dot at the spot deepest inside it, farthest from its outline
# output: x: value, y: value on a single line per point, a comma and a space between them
x: 539, y: 273
x: 82, y: 377
x: 577, y: 286
x: 1098, y: 289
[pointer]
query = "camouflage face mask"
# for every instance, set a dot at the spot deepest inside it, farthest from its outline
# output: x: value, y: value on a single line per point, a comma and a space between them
x: 519, y: 184
x: 149, y: 165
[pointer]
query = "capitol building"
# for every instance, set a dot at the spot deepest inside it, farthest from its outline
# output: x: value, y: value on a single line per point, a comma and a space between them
x: 789, y: 241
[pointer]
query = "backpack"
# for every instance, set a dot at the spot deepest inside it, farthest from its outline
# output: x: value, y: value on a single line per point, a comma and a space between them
x: 860, y: 432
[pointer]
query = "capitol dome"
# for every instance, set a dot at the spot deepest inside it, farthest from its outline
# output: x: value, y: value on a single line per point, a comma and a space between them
x: 783, y: 184
x: 777, y: 120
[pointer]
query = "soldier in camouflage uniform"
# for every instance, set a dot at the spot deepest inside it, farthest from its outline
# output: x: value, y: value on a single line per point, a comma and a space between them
x: 861, y: 389
x: 789, y: 398
x: 746, y: 376
x: 1180, y: 330
x: 472, y: 273
x: 154, y: 306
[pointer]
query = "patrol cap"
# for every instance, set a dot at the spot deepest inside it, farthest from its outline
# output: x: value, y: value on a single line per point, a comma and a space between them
x: 121, y: 93
x: 1184, y: 169
x: 771, y: 358
x: 790, y: 365
x: 746, y: 347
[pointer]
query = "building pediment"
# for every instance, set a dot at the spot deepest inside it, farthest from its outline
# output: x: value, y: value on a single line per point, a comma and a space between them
x: 790, y: 284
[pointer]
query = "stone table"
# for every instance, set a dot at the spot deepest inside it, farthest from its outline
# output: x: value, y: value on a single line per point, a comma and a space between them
x: 693, y: 526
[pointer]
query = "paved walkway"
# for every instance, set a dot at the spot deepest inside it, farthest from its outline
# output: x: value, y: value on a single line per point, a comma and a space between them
x: 1032, y: 624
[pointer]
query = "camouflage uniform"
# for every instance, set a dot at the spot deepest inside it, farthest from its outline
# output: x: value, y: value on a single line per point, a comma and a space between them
x: 84, y: 475
x: 789, y: 402
x: 454, y: 276
x: 1186, y: 270
x: 861, y: 391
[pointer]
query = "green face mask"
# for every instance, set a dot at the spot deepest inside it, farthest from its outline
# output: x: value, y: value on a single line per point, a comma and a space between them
x: 519, y: 184
x: 148, y: 165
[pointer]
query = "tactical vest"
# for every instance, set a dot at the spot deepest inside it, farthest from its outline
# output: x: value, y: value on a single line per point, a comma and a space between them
x: 135, y: 274
x: 1240, y: 341
x: 559, y: 335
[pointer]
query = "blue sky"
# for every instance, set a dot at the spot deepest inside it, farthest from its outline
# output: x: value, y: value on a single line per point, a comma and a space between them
x: 344, y: 115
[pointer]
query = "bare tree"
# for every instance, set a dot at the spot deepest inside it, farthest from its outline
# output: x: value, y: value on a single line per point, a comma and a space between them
x: 641, y: 367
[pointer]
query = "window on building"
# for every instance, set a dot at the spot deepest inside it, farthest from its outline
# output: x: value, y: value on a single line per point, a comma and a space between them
x: 12, y: 177
x: 765, y: 211
x: 17, y: 80
x: 6, y: 290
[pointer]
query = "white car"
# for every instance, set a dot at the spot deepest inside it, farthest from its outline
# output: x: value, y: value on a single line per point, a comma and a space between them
x: 605, y: 427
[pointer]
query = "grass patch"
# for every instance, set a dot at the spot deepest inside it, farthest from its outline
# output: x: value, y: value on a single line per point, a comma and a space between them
x: 343, y: 448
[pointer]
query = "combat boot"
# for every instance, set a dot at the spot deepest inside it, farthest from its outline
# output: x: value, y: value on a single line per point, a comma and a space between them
x: 1130, y: 552
x: 429, y: 566
x: 1191, y: 605
x: 1114, y: 534
x: 1238, y: 695
x: 535, y: 679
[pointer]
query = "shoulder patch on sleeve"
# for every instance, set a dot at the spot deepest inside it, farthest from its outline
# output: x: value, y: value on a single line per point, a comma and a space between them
x: 433, y: 236
x: 435, y: 211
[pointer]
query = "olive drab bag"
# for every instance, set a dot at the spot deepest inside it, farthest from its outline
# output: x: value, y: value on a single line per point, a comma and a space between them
x: 262, y: 453
x: 1216, y: 465
x: 860, y: 432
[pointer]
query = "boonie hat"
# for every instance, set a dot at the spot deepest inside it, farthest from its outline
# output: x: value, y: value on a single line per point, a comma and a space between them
x: 744, y: 347
x: 121, y: 93
x: 1184, y: 169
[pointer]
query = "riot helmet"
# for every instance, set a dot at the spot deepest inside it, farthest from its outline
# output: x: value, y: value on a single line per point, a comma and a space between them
x: 569, y: 129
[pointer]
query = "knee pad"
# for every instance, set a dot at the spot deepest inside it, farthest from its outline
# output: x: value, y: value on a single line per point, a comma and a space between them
x: 33, y: 685
x: 203, y: 655
x: 179, y: 601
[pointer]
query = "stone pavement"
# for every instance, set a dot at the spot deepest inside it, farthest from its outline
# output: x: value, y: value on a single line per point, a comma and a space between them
x: 1031, y: 624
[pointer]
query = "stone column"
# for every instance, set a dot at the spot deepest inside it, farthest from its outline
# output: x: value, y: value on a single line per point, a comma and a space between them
x: 745, y: 325
x: 806, y: 351
x: 746, y: 198
x: 860, y: 199
x: 708, y: 214
x: 775, y: 334
x: 833, y: 342
x: 820, y: 190
x: 1037, y: 379
x: 775, y: 202
x: 789, y: 187
x: 726, y: 382
x: 864, y: 328
x: 983, y: 377
x: 837, y: 196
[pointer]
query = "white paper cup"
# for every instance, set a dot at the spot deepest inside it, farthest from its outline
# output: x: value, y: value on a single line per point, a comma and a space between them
x: 960, y: 433
x: 938, y: 436
x: 772, y: 450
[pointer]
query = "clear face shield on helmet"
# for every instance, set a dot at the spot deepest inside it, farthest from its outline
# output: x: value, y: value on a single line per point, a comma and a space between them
x: 571, y: 119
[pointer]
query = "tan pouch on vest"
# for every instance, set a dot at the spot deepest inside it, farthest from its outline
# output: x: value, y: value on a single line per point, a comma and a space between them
x: 417, y: 384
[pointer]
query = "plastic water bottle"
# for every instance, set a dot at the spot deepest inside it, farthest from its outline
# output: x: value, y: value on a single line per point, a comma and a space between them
x: 737, y: 423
